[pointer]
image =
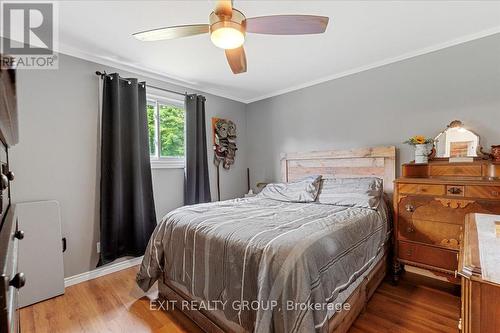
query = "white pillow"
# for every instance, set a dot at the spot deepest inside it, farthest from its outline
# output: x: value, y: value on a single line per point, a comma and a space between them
x: 303, y: 190
x: 353, y: 192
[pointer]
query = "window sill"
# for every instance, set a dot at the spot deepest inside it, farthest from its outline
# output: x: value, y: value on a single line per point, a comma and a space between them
x: 167, y: 164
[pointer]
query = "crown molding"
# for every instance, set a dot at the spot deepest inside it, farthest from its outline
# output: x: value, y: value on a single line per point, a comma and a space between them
x: 167, y: 78
x: 140, y: 70
x: 437, y: 47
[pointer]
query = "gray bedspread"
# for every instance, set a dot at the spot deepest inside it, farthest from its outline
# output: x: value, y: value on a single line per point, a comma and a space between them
x: 271, y: 266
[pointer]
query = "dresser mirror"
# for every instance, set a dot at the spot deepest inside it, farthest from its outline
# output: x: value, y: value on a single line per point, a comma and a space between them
x: 456, y: 141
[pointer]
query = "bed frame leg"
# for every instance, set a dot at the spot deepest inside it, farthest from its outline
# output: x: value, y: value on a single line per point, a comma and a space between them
x: 396, y: 271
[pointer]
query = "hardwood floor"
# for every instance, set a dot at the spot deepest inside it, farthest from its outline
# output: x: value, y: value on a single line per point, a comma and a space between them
x: 409, y: 308
x: 114, y: 303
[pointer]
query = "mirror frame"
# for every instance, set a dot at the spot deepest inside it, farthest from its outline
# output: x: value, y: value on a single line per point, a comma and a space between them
x: 481, y: 155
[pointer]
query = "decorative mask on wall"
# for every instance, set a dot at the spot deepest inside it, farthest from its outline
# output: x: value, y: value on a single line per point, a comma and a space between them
x: 224, y: 132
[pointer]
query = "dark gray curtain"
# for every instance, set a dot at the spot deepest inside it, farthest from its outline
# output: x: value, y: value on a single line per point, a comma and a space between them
x: 196, y: 185
x: 127, y: 207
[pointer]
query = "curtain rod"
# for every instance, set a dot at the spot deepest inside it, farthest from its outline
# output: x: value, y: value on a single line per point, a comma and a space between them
x: 102, y: 74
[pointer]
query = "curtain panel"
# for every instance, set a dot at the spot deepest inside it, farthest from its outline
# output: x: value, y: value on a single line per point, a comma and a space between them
x: 196, y: 184
x: 127, y: 212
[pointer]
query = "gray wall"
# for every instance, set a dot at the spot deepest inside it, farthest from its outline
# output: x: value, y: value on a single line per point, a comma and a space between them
x: 382, y: 106
x: 57, y: 154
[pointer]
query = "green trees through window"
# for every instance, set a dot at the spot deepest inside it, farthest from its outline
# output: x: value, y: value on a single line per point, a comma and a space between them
x: 166, y: 130
x: 171, y: 131
x: 151, y: 108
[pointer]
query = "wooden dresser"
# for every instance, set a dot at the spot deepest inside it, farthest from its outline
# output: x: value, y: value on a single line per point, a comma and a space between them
x: 480, y: 275
x: 430, y: 204
x: 11, y: 280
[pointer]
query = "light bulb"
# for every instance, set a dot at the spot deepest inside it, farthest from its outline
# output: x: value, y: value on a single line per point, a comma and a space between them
x: 227, y: 37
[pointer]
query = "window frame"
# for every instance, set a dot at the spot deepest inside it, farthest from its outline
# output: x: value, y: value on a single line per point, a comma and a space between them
x: 158, y: 162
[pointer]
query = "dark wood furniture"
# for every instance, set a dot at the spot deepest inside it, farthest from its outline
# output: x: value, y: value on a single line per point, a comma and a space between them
x: 480, y: 293
x: 430, y: 204
x: 10, y: 279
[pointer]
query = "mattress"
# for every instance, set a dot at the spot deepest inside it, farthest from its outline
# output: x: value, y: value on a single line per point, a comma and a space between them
x: 270, y: 266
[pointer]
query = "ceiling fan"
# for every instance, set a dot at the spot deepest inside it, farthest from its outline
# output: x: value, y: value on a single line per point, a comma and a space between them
x: 228, y: 27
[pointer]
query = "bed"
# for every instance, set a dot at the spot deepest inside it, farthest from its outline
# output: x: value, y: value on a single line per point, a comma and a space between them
x: 263, y: 265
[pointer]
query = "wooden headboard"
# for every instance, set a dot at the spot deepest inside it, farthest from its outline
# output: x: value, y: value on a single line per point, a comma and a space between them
x: 361, y: 162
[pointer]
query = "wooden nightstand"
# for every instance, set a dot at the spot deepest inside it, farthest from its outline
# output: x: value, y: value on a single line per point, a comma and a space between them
x: 430, y: 204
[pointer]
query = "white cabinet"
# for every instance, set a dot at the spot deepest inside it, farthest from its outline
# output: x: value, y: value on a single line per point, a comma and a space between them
x: 40, y: 252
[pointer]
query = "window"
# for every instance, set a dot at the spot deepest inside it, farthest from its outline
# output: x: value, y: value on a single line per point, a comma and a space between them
x: 166, y: 120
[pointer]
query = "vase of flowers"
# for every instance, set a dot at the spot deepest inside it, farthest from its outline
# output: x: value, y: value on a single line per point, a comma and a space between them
x: 422, y: 148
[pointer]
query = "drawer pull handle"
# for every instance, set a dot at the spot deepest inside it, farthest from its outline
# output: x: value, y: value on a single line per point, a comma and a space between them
x: 19, y: 234
x: 410, y: 208
x: 408, y: 253
x: 18, y: 281
x: 11, y: 176
x: 494, y: 193
x: 4, y: 182
x: 455, y: 190
x: 410, y: 229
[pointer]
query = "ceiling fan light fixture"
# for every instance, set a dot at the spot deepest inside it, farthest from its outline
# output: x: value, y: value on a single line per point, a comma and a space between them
x: 227, y: 38
x: 227, y: 32
x: 228, y: 26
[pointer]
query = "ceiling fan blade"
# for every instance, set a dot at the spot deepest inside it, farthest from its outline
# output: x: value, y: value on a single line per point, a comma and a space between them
x: 172, y: 32
x: 224, y: 8
x: 287, y: 24
x: 237, y: 60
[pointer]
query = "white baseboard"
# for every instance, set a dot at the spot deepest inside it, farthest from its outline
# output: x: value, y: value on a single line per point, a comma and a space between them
x: 101, y: 271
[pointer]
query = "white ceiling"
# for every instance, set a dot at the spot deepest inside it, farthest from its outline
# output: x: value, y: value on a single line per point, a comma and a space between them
x: 360, y: 35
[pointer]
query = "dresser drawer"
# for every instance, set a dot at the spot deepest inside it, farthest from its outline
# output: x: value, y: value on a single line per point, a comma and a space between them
x: 450, y: 170
x: 428, y: 255
x: 484, y: 192
x: 446, y: 235
x: 432, y: 209
x: 425, y: 189
x: 11, y: 279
